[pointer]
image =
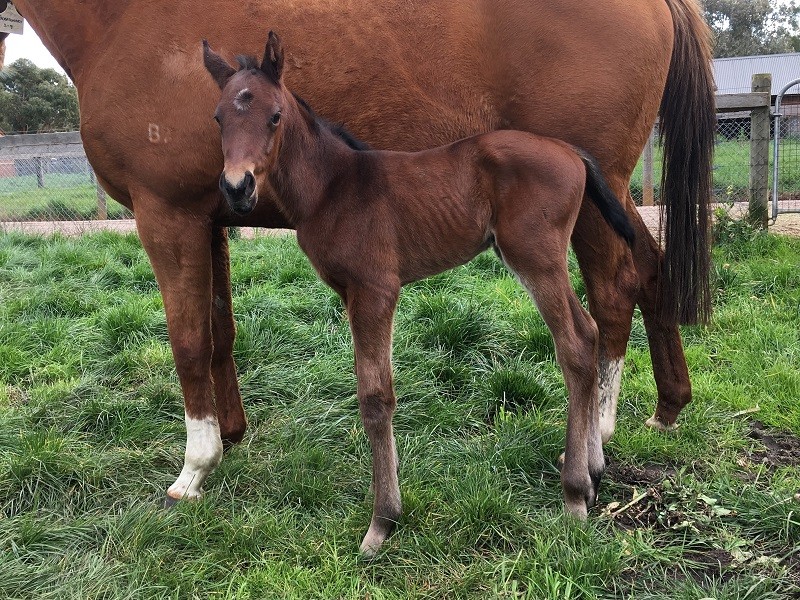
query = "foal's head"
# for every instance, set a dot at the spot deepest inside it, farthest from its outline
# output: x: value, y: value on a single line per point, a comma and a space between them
x: 249, y: 115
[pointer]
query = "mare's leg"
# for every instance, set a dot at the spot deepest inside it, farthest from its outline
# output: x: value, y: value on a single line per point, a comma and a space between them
x: 371, y: 312
x: 612, y: 287
x: 230, y: 411
x: 179, y: 248
x: 542, y: 269
x: 666, y: 347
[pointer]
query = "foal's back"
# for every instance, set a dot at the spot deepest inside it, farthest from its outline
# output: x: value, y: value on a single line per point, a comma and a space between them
x: 422, y: 213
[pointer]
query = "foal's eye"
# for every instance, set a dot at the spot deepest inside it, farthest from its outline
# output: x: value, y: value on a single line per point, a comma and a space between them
x: 276, y: 118
x: 216, y: 118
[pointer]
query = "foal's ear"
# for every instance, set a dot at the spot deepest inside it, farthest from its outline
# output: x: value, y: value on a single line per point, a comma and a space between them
x: 220, y: 70
x: 272, y: 64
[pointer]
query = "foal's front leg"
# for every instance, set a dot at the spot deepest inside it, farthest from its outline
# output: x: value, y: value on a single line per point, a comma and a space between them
x: 371, y: 311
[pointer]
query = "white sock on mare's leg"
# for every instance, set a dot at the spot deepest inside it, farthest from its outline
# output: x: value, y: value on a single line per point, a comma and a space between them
x: 203, y: 454
x: 609, y: 379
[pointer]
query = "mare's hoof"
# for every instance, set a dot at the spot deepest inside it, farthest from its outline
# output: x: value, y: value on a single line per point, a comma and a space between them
x: 169, y: 502
x: 657, y: 423
x: 232, y: 439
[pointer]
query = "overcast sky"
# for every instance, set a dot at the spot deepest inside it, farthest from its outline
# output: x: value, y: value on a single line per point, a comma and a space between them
x: 28, y: 45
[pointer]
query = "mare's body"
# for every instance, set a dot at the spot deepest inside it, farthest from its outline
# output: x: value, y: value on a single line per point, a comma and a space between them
x: 371, y: 221
x: 404, y: 76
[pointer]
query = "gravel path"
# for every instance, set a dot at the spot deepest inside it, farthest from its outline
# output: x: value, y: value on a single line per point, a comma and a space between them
x: 787, y: 224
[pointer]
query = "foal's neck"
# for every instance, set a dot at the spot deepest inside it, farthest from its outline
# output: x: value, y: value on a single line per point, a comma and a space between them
x: 310, y: 160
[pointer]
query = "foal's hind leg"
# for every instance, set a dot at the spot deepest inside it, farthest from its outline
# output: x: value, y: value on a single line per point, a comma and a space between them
x: 543, y: 271
x: 371, y: 312
x: 611, y: 287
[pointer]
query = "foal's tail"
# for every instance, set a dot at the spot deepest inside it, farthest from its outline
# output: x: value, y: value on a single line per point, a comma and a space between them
x: 606, y: 200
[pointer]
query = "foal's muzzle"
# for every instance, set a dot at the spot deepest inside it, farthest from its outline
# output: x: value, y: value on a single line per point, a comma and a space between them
x: 241, y: 196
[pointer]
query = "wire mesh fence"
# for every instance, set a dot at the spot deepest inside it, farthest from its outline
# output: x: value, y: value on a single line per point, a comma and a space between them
x: 49, y: 181
x: 46, y: 177
x: 731, y: 170
x: 787, y: 185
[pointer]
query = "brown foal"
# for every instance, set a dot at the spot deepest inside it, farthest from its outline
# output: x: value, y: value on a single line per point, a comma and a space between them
x: 371, y: 221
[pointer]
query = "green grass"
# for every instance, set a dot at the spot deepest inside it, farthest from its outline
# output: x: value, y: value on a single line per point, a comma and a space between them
x: 65, y: 197
x: 731, y: 176
x: 91, y: 435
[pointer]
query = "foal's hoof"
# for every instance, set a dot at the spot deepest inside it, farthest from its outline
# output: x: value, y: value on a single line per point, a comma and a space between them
x: 657, y: 423
x: 577, y: 509
x: 378, y: 533
x: 371, y: 546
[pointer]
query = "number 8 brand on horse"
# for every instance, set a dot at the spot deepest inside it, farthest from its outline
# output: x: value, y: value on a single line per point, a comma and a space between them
x: 371, y: 221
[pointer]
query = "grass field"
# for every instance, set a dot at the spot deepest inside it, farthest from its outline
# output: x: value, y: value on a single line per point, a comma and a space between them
x: 731, y: 176
x: 92, y: 434
x: 65, y: 197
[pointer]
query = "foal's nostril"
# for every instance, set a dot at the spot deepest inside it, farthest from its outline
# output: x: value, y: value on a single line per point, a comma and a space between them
x: 240, y: 196
x: 249, y: 184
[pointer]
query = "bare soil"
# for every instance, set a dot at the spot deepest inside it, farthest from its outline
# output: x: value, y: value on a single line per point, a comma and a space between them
x: 781, y: 449
x: 785, y: 224
x: 649, y: 498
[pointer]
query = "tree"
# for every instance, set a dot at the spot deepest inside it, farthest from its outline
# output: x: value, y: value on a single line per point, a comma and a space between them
x: 34, y: 99
x: 751, y: 27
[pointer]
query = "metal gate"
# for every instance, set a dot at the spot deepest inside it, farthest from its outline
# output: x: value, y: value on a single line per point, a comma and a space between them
x: 786, y: 154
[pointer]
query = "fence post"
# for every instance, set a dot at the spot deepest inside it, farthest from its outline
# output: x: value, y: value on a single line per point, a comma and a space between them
x: 648, y: 195
x: 39, y: 162
x: 759, y: 154
x: 102, y: 204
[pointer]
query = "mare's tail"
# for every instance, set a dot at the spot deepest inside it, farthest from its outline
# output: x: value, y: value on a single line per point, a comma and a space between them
x: 606, y: 200
x: 688, y: 126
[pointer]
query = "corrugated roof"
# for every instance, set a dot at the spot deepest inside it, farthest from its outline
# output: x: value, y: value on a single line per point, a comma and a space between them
x: 733, y: 75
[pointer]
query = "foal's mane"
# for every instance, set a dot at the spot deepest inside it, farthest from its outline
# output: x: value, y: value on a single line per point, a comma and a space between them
x: 315, y: 121
x: 338, y: 129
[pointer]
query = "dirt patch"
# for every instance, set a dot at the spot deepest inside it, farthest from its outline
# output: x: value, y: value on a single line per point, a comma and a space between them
x: 781, y: 449
x: 641, y: 504
x: 788, y: 224
x: 647, y: 496
x: 785, y: 224
x: 73, y: 228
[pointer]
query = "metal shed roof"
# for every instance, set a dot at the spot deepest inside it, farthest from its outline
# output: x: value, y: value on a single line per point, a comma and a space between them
x: 733, y: 75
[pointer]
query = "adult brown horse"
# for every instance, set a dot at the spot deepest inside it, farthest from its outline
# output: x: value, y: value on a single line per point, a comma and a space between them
x: 404, y: 76
x: 371, y: 221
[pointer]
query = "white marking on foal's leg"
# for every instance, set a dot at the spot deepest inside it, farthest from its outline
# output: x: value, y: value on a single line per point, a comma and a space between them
x: 610, y: 376
x: 203, y: 454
